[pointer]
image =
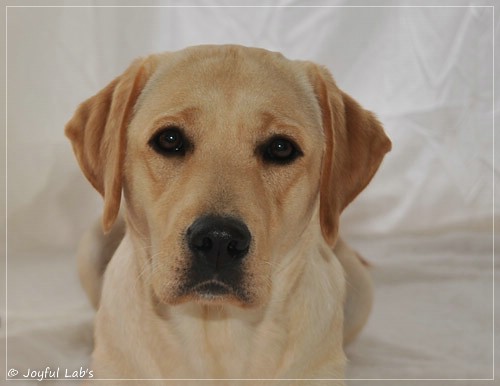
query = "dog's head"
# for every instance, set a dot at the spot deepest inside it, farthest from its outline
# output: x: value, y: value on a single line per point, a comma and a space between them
x: 224, y: 156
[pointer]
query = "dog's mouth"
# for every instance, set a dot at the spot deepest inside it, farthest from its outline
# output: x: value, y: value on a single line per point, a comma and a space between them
x: 212, y: 289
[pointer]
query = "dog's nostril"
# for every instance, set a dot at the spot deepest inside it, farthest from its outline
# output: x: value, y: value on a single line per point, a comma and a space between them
x: 218, y: 240
x: 232, y: 247
x: 206, y: 244
x: 237, y: 246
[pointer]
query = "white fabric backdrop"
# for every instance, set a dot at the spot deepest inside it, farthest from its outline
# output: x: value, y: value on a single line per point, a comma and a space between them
x: 425, y: 221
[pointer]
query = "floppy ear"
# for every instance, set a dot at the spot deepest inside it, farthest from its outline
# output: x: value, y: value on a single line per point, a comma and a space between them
x: 97, y: 132
x: 355, y: 146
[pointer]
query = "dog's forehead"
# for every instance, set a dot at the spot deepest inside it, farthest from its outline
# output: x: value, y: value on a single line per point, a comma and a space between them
x: 231, y: 81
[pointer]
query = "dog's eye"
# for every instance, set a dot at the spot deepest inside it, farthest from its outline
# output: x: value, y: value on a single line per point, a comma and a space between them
x: 169, y: 141
x: 280, y: 150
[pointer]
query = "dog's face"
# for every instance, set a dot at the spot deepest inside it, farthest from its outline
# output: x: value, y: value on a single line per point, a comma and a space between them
x: 224, y: 155
x: 223, y: 158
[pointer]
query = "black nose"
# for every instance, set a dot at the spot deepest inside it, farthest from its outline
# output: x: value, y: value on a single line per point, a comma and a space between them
x: 218, y: 240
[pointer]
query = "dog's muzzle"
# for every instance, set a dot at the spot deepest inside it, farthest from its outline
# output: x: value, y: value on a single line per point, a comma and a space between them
x: 218, y: 242
x: 218, y: 246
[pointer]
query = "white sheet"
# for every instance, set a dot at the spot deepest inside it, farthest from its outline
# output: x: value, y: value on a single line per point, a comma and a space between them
x: 425, y: 221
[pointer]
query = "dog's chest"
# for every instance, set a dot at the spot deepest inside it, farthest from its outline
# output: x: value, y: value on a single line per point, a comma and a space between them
x: 216, y: 344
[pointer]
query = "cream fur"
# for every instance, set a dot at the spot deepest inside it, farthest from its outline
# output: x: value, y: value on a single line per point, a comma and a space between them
x: 227, y: 99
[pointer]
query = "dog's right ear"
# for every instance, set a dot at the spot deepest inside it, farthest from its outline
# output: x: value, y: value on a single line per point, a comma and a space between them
x: 97, y: 132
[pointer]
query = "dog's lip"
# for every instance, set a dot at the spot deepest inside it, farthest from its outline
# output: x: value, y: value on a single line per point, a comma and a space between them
x: 213, y: 291
x: 212, y: 288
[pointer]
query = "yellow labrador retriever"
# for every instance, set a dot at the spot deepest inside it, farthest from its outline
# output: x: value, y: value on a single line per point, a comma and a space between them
x: 234, y: 164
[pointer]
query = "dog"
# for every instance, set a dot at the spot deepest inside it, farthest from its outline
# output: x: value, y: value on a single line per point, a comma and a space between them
x: 224, y: 261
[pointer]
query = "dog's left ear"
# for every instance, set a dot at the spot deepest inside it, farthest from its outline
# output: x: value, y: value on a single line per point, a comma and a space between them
x: 355, y: 146
x: 97, y: 132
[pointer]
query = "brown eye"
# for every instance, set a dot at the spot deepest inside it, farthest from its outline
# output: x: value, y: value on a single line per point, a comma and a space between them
x: 280, y: 150
x: 169, y: 141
